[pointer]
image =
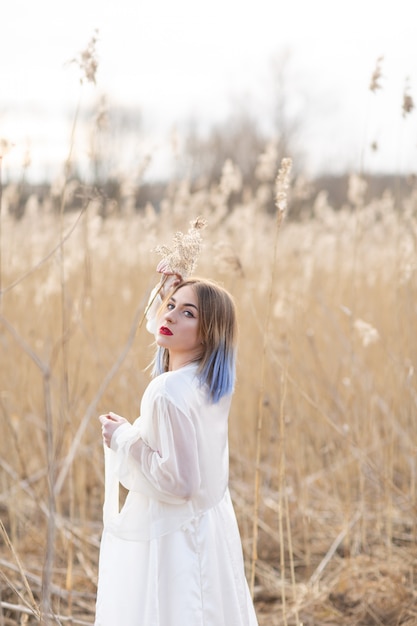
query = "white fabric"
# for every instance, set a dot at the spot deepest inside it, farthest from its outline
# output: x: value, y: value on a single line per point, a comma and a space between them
x: 172, y: 556
x: 154, y: 303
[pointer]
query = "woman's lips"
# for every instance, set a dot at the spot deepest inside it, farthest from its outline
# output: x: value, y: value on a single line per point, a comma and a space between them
x: 164, y: 331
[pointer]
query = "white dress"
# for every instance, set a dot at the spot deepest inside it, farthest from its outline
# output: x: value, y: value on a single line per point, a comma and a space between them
x: 172, y: 556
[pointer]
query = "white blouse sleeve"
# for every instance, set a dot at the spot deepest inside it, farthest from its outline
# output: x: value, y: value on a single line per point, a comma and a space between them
x: 154, y: 303
x: 163, y: 464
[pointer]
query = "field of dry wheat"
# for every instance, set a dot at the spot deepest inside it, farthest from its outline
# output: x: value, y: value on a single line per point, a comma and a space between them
x: 322, y: 432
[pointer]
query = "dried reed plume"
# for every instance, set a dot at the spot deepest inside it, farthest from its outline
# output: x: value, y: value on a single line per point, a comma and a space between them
x: 374, y: 85
x: 334, y: 491
x: 182, y: 257
x: 282, y: 184
x: 366, y: 332
x: 357, y: 187
x: 5, y: 147
x: 408, y: 102
x: 267, y: 163
x: 281, y: 201
x: 227, y: 260
x: 87, y: 61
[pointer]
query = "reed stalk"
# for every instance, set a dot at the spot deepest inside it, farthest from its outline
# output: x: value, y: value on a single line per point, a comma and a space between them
x: 282, y: 184
x: 1, y: 230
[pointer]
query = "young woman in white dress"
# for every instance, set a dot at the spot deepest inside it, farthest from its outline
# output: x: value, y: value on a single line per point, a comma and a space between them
x: 172, y: 556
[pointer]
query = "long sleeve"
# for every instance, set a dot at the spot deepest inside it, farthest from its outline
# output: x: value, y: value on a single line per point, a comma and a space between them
x: 154, y: 303
x: 160, y: 461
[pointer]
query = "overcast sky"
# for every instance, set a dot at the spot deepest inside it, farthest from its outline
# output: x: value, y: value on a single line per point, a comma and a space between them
x: 179, y: 59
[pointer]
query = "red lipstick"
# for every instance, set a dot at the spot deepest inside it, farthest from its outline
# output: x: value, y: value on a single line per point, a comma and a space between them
x: 164, y: 331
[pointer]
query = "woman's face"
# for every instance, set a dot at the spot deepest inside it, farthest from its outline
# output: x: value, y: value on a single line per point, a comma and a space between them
x: 178, y: 328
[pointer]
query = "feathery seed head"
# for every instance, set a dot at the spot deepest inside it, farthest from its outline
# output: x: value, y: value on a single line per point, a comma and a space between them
x: 182, y: 257
x: 231, y: 179
x: 267, y: 163
x: 367, y: 333
x: 87, y: 61
x: 374, y: 85
x: 226, y: 259
x: 408, y: 102
x: 356, y: 189
x: 282, y: 184
x: 5, y: 146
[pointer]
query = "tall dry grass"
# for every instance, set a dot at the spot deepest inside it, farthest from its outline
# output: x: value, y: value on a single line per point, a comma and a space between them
x: 322, y: 439
x: 335, y: 503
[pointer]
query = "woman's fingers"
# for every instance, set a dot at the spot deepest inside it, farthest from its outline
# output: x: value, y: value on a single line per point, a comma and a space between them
x: 109, y: 423
x: 163, y: 267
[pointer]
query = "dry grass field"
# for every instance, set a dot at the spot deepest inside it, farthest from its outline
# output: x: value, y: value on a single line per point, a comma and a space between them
x: 323, y: 435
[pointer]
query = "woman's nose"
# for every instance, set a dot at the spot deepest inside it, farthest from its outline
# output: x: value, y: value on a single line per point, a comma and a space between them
x: 169, y: 315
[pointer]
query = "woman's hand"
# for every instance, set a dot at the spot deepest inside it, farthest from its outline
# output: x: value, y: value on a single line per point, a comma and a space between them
x: 109, y: 423
x: 169, y: 280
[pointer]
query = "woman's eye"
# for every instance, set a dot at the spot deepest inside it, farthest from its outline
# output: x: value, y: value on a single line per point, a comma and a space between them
x: 170, y: 306
x: 188, y: 314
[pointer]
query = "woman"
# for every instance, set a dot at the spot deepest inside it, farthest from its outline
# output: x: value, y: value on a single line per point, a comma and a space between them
x: 173, y: 556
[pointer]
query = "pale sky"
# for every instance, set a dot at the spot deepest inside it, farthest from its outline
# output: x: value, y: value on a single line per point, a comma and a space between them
x: 176, y: 59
